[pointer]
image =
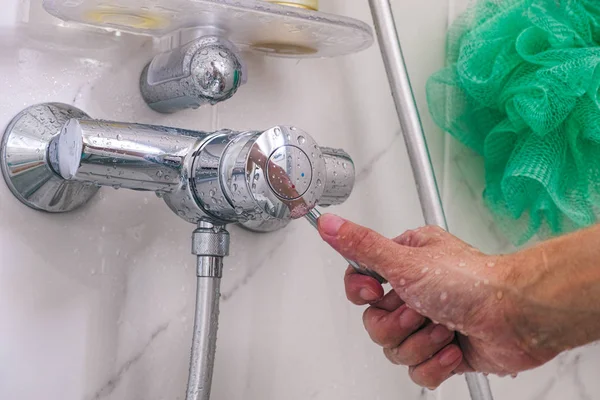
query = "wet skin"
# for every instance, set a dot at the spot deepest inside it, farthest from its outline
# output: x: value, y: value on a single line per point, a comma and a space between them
x: 452, y: 309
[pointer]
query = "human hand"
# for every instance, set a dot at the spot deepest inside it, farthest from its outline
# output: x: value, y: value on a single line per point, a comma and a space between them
x: 452, y: 309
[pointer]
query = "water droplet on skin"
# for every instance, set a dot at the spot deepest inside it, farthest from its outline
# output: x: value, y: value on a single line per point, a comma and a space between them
x: 443, y: 296
x: 486, y: 281
x: 477, y: 284
x: 301, y: 140
x: 491, y: 265
x: 514, y: 375
x: 418, y: 304
x: 451, y: 326
x: 499, y: 295
x: 424, y: 270
x: 402, y: 282
x: 462, y: 264
x: 438, y: 271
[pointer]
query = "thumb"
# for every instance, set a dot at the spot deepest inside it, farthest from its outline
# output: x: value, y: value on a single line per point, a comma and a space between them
x: 367, y: 247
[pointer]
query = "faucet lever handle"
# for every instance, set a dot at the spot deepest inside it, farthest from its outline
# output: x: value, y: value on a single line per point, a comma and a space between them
x: 313, y: 217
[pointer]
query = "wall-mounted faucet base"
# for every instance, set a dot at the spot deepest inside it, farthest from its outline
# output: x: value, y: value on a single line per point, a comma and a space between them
x: 25, y: 165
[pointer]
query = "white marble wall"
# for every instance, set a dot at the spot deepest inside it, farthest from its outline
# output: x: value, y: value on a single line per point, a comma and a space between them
x: 570, y: 376
x: 98, y: 304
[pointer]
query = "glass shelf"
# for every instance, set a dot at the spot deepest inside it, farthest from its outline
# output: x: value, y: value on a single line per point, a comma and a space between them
x: 251, y: 24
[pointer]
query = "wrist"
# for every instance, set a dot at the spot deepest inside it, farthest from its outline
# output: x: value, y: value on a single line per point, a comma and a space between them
x: 556, y: 296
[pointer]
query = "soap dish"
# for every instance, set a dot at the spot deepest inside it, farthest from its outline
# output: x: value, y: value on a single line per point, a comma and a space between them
x: 251, y: 24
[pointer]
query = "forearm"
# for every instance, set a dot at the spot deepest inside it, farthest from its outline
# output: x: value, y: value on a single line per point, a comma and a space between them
x: 558, y: 291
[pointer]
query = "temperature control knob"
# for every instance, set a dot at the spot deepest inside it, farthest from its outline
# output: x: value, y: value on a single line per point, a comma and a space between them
x: 281, y: 173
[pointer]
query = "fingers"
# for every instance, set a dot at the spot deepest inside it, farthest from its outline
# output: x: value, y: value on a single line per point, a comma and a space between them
x: 389, y: 329
x: 420, y: 346
x: 436, y: 370
x: 390, y: 302
x: 367, y: 247
x: 361, y: 289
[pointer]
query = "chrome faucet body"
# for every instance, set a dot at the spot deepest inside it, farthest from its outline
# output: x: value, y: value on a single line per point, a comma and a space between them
x: 223, y: 176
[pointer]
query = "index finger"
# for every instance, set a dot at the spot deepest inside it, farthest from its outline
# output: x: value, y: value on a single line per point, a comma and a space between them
x: 361, y: 289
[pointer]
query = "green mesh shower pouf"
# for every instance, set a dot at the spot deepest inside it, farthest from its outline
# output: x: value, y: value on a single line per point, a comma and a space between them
x: 521, y: 88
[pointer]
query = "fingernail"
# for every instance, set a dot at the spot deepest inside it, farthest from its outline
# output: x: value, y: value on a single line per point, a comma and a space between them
x: 330, y: 224
x: 440, y: 334
x: 368, y: 295
x: 449, y: 356
x: 410, y: 318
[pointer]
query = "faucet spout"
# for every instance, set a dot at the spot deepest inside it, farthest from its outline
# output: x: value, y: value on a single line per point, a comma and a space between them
x: 206, y: 70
